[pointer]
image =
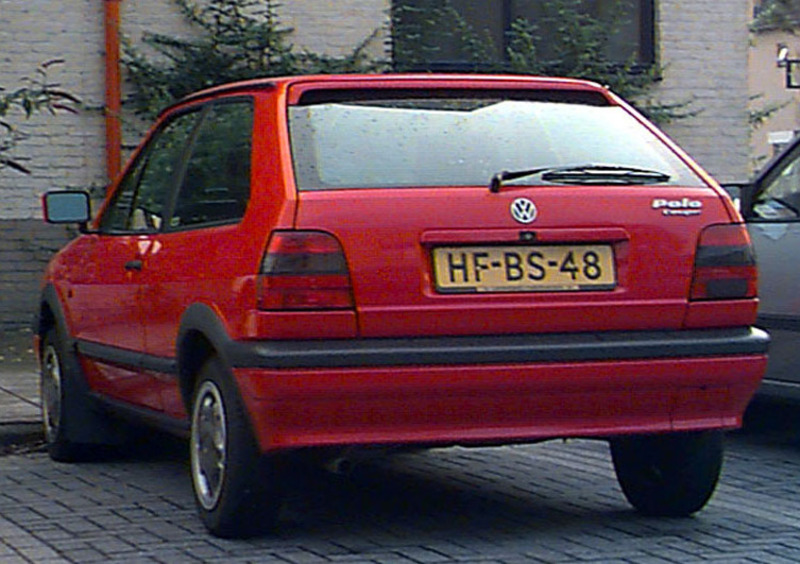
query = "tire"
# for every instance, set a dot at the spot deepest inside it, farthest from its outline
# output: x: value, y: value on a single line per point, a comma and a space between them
x: 234, y: 484
x: 668, y: 475
x: 73, y: 429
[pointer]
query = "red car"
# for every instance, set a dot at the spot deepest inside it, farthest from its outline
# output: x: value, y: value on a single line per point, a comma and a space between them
x: 347, y: 261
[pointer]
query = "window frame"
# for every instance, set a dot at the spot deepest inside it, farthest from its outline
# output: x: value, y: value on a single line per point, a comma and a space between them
x: 208, y: 108
x: 768, y: 181
x: 647, y: 43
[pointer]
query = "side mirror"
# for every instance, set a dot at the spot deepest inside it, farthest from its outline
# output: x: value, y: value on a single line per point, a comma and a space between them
x: 742, y: 195
x: 67, y: 206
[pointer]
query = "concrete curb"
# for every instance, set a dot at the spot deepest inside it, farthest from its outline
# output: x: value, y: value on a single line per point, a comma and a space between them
x: 22, y: 433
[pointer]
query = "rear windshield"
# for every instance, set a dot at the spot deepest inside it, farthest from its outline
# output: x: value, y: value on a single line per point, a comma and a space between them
x: 466, y: 138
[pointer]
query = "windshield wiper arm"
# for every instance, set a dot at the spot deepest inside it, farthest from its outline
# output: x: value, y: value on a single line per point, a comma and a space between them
x: 497, y: 180
x: 583, y: 174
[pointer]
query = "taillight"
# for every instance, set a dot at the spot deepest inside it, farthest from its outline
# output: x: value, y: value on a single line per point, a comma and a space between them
x: 304, y: 270
x: 724, y: 264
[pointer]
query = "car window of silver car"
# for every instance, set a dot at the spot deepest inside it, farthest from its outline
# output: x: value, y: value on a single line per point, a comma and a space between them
x: 779, y: 196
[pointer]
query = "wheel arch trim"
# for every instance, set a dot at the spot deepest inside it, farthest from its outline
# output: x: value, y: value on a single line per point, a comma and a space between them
x: 50, y: 300
x: 201, y: 329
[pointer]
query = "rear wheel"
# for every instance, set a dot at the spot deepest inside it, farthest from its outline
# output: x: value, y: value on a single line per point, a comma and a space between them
x: 234, y: 484
x: 668, y: 475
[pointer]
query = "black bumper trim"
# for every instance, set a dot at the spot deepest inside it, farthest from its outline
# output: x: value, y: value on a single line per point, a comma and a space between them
x: 497, y: 349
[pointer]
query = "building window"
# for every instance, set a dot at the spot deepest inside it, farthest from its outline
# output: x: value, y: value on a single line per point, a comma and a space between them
x: 476, y: 34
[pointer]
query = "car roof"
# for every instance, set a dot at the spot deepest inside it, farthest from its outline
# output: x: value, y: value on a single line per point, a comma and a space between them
x: 388, y: 79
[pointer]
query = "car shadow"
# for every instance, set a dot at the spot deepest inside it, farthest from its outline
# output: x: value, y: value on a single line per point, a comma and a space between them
x: 771, y: 422
x: 434, y: 495
x: 482, y: 496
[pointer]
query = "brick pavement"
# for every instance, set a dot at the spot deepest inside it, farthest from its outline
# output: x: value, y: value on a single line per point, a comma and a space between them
x: 555, y: 502
x: 19, y: 389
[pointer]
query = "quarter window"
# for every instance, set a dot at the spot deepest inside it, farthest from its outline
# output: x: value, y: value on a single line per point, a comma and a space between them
x: 216, y: 185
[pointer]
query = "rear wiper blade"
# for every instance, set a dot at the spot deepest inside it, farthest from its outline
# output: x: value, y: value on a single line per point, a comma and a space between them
x: 606, y: 174
x: 584, y: 174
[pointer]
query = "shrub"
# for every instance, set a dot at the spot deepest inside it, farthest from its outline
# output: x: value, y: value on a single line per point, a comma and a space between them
x: 237, y: 40
x: 38, y: 94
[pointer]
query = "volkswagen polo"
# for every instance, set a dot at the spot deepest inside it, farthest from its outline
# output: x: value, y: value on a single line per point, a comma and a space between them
x: 334, y: 262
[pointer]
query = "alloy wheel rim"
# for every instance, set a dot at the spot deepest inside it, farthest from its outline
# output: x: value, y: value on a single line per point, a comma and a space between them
x: 50, y: 390
x: 208, y: 445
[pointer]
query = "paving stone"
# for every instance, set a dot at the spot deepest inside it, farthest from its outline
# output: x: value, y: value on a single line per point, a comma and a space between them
x: 554, y: 503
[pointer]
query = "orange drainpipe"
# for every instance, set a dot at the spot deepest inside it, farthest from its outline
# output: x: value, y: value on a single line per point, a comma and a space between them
x: 113, y: 100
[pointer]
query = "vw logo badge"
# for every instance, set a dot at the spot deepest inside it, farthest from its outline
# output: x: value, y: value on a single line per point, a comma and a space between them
x: 523, y: 210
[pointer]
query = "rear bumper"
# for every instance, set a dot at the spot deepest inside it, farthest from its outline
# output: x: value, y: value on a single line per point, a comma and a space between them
x: 496, y: 389
x: 567, y: 347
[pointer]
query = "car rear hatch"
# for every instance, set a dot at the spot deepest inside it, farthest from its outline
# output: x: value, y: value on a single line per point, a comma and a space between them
x: 499, y: 210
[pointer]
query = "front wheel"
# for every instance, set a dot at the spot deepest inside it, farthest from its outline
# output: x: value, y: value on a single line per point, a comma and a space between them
x: 671, y: 475
x: 234, y: 484
x: 73, y: 429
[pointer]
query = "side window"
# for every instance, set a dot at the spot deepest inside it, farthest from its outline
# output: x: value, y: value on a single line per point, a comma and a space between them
x: 115, y: 218
x: 780, y: 197
x: 216, y: 186
x: 140, y: 203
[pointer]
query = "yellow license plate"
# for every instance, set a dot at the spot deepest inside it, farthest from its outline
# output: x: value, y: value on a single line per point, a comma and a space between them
x: 544, y: 268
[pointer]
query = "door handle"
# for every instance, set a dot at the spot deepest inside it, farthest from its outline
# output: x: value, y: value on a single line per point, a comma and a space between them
x: 133, y: 265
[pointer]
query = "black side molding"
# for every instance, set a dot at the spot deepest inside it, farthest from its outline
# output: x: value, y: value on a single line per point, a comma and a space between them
x: 124, y: 357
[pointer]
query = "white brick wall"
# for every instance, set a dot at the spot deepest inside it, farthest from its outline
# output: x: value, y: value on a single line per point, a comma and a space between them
x: 63, y: 150
x: 68, y: 150
x: 336, y: 26
x: 703, y: 47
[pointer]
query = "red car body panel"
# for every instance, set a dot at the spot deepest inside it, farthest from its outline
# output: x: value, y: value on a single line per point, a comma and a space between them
x: 496, y: 403
x: 395, y: 296
x: 127, y: 299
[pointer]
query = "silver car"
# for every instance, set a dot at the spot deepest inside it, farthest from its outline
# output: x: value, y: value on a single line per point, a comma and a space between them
x: 771, y: 206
